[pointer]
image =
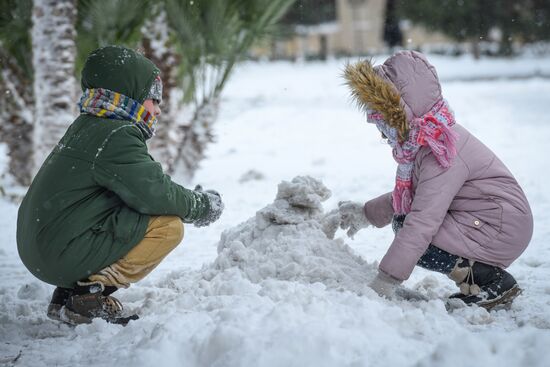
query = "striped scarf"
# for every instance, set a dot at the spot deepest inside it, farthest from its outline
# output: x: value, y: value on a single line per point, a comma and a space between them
x: 431, y: 129
x: 112, y: 105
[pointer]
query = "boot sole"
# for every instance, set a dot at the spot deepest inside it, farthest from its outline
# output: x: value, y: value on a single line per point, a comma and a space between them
x: 63, y: 314
x: 505, y: 300
x: 73, y: 318
x: 69, y: 317
x: 502, y: 302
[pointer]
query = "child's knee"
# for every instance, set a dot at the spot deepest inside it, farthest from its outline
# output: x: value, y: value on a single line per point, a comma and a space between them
x: 175, y: 230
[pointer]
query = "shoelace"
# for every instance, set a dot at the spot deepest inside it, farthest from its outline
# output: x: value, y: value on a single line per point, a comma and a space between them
x: 468, y: 286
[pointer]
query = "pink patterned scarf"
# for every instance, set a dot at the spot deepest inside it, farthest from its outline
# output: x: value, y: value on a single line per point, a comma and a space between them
x: 431, y: 129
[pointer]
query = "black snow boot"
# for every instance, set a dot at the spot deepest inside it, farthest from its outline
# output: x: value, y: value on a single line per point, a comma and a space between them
x: 59, y: 299
x: 485, y: 285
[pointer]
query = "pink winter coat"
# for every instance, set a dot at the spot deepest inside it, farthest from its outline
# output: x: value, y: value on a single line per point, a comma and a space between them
x: 474, y: 209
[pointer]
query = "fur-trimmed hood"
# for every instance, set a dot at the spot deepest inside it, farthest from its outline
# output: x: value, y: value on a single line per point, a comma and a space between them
x: 404, y: 87
x: 403, y: 98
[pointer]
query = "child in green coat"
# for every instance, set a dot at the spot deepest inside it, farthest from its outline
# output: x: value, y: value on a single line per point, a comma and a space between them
x: 101, y: 214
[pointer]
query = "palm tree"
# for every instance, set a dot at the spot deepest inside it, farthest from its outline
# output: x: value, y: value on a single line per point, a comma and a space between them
x: 211, y: 37
x: 136, y: 24
x: 196, y: 44
x: 158, y: 46
x: 113, y: 22
x: 98, y: 23
x: 17, y: 102
x: 54, y: 52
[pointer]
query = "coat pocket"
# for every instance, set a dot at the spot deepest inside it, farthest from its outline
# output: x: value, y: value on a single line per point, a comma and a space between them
x: 98, y: 228
x: 104, y: 225
x: 475, y: 228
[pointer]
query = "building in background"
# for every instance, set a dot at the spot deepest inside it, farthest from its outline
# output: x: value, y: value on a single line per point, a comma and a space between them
x: 317, y: 29
x: 361, y: 26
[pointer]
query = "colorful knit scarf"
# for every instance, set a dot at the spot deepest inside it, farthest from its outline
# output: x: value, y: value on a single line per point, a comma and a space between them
x: 433, y: 130
x: 112, y: 105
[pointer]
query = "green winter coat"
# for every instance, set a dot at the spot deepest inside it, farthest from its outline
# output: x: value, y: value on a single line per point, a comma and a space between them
x: 91, y: 201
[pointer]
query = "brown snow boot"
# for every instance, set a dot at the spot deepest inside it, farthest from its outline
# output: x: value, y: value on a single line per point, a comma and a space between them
x: 59, y: 299
x: 56, y: 308
x: 89, y: 302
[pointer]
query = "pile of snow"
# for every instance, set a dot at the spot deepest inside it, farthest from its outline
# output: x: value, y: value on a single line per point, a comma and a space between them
x: 287, y: 240
x: 281, y: 292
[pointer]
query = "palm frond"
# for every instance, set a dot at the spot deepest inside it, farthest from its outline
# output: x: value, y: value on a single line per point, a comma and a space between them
x: 212, y: 36
x: 15, y: 38
x: 102, y: 23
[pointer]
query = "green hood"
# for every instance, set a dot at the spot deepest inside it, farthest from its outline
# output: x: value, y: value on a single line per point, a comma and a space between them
x: 119, y: 69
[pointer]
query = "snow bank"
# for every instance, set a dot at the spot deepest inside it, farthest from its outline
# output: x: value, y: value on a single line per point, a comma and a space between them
x: 282, y: 292
x: 518, y: 348
x: 279, y: 293
x: 286, y: 241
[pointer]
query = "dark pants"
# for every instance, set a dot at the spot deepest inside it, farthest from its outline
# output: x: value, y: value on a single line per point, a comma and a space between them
x: 434, y: 258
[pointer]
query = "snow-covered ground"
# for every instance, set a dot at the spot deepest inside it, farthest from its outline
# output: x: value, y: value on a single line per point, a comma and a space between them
x: 283, y: 295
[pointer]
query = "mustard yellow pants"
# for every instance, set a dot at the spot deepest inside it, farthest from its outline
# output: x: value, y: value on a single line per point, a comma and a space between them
x: 163, y: 234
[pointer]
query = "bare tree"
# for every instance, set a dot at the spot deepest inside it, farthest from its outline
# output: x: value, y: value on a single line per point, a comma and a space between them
x: 54, y: 54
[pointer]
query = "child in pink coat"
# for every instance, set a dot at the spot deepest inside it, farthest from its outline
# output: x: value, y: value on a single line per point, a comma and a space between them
x: 455, y: 208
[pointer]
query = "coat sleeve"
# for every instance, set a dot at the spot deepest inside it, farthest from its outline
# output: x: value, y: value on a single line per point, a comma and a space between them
x: 436, y: 188
x: 379, y: 211
x: 124, y: 166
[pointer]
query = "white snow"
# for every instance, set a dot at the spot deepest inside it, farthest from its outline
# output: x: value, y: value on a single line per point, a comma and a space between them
x: 273, y: 290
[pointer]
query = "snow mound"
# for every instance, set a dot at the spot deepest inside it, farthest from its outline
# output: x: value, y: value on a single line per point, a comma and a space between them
x: 286, y: 240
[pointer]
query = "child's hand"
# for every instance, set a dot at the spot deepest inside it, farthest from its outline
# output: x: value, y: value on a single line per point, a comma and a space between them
x: 330, y: 223
x: 385, y: 285
x: 391, y: 288
x: 352, y: 217
x: 216, y: 207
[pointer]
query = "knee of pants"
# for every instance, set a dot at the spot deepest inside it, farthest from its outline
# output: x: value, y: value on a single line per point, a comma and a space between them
x: 175, y: 231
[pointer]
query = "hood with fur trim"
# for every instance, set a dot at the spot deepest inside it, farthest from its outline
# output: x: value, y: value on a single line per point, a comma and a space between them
x: 404, y: 87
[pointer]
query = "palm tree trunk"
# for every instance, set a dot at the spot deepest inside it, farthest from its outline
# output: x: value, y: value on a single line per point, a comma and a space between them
x: 54, y: 53
x: 212, y: 37
x: 157, y: 48
x: 197, y: 134
x: 17, y: 110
